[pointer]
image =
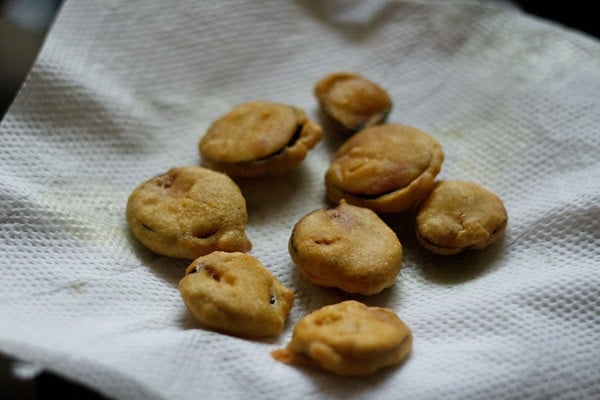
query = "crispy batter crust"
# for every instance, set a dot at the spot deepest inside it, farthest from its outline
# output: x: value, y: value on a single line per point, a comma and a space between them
x: 259, y: 138
x: 175, y: 214
x: 459, y: 215
x: 387, y: 168
x: 348, y: 247
x: 348, y: 338
x: 352, y: 100
x: 235, y: 293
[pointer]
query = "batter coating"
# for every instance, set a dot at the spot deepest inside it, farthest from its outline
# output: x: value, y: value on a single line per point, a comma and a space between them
x: 235, y: 293
x: 189, y: 212
x: 348, y: 338
x: 352, y: 100
x: 387, y: 168
x: 458, y: 216
x: 348, y: 247
x: 259, y: 138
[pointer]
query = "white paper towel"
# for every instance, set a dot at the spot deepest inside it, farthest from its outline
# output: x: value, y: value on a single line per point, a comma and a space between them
x: 123, y: 90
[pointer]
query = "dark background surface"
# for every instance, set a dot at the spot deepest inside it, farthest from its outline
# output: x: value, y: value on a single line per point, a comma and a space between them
x: 23, y: 27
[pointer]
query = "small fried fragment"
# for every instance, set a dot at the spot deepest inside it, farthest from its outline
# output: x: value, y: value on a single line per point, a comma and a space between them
x: 352, y: 100
x: 348, y: 338
x: 348, y: 247
x: 189, y: 212
x: 236, y: 294
x: 458, y: 216
x: 259, y: 138
x: 387, y: 168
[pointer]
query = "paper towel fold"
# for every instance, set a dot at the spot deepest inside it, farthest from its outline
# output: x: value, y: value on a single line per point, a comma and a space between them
x: 123, y: 90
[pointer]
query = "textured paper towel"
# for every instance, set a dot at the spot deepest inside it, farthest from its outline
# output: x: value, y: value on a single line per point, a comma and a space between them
x: 123, y: 90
